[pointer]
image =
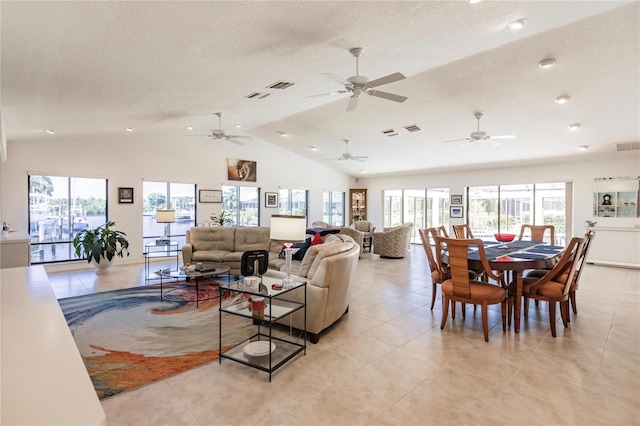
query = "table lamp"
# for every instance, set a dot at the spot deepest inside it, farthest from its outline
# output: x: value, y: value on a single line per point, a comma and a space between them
x: 288, y: 229
x: 166, y: 217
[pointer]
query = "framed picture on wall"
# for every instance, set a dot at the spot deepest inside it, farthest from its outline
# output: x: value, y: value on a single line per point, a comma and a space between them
x: 271, y: 199
x: 456, y: 199
x: 125, y: 195
x: 456, y: 212
x: 210, y: 196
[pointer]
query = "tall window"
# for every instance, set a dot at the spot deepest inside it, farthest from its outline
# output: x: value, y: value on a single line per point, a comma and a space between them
x: 243, y: 204
x: 59, y: 208
x: 293, y: 202
x: 167, y: 195
x: 504, y: 208
x: 333, y: 207
x: 423, y: 207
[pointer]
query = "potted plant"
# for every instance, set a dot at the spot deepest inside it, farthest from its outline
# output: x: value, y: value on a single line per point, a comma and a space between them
x: 222, y: 219
x: 101, y: 244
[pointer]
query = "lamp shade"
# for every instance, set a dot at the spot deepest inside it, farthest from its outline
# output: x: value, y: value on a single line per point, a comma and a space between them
x: 288, y: 228
x: 165, y: 216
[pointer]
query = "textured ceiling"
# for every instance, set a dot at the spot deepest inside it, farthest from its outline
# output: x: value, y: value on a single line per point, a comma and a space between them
x: 86, y: 68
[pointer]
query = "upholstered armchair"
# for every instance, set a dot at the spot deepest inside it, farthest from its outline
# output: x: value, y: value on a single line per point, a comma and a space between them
x: 358, y: 236
x: 363, y: 226
x: 321, y: 224
x: 393, y: 242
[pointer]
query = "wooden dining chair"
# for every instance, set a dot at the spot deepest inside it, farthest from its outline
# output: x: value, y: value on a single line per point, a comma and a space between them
x: 460, y: 288
x: 441, y: 231
x: 438, y: 272
x: 538, y: 231
x: 555, y: 285
x: 462, y: 231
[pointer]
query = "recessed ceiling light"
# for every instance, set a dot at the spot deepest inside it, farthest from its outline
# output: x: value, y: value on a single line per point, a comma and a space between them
x: 313, y: 148
x: 128, y: 129
x: 237, y: 126
x: 583, y: 147
x: 574, y: 126
x: 547, y: 63
x: 51, y: 132
x: 474, y: 1
x: 363, y: 171
x: 282, y: 133
x: 188, y: 127
x: 517, y: 24
x: 562, y: 99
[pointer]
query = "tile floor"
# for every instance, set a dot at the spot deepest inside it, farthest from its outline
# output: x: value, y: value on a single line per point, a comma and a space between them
x: 388, y: 363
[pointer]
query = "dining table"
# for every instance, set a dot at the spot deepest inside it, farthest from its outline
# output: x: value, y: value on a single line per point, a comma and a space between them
x: 515, y: 257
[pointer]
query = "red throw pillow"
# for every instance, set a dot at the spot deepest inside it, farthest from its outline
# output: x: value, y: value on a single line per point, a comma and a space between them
x: 317, y: 239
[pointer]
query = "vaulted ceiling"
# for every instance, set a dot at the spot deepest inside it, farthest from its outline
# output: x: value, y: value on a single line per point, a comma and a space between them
x: 87, y: 68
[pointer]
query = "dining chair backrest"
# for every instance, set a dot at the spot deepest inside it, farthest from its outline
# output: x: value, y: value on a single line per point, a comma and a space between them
x: 462, y: 231
x: 441, y: 231
x: 426, y: 244
x: 564, y: 271
x: 588, y: 238
x: 458, y: 252
x: 538, y: 231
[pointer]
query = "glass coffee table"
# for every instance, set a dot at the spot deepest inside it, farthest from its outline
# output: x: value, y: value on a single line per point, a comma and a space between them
x: 182, y: 292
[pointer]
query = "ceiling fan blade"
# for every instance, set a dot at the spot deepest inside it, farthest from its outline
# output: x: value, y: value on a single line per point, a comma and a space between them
x: 353, y: 103
x: 459, y: 140
x: 386, y: 95
x: 386, y: 79
x: 466, y: 143
x: 360, y: 158
x: 503, y: 137
x: 239, y: 136
x: 235, y: 141
x: 327, y: 94
x: 333, y: 158
x: 336, y: 78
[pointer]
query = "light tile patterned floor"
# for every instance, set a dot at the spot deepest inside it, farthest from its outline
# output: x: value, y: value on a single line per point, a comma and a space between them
x: 388, y: 363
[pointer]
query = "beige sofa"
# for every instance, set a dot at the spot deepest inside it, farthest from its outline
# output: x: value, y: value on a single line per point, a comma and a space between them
x: 328, y: 268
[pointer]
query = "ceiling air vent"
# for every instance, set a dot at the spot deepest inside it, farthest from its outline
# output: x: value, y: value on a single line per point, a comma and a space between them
x: 413, y: 128
x: 280, y: 85
x: 257, y: 95
x: 627, y: 146
x: 389, y: 132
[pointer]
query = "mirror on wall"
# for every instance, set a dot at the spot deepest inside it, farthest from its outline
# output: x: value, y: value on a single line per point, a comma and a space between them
x: 616, y: 197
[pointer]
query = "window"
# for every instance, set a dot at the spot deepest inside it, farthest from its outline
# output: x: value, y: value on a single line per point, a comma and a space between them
x: 506, y: 208
x: 333, y: 208
x: 243, y: 204
x: 59, y: 208
x: 167, y: 195
x: 293, y: 202
x: 423, y: 207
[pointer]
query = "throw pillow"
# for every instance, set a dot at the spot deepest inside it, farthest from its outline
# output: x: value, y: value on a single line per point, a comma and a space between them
x: 317, y: 239
x: 299, y: 255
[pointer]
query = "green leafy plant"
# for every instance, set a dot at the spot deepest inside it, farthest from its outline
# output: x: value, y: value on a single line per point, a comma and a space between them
x: 101, y: 242
x: 222, y: 219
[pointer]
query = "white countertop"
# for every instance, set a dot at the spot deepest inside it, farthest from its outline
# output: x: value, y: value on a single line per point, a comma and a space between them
x: 44, y: 381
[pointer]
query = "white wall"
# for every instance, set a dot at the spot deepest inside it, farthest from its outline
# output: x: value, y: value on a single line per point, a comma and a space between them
x: 127, y: 159
x: 580, y: 173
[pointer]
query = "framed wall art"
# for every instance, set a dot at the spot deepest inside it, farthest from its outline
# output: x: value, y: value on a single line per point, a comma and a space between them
x: 271, y: 199
x: 456, y: 212
x: 210, y: 196
x: 456, y: 199
x: 125, y: 195
x: 243, y: 170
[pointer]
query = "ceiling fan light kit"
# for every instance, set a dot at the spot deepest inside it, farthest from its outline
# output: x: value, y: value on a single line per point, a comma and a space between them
x: 358, y: 84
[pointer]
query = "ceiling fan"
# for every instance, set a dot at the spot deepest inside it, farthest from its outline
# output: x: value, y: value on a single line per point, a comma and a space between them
x: 358, y: 84
x: 479, y: 135
x: 348, y: 156
x: 221, y: 134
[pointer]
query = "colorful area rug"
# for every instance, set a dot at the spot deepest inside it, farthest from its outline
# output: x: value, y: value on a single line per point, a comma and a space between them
x: 130, y: 338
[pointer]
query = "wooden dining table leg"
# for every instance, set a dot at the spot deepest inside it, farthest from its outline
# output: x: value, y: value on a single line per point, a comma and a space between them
x: 518, y: 302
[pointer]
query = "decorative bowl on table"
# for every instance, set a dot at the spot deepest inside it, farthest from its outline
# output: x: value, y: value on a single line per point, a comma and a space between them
x: 504, y: 238
x: 259, y: 348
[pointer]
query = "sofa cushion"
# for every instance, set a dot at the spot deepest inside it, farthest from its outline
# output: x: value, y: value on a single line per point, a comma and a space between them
x: 326, y: 250
x: 209, y: 255
x: 211, y: 238
x: 252, y: 238
x: 303, y: 247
